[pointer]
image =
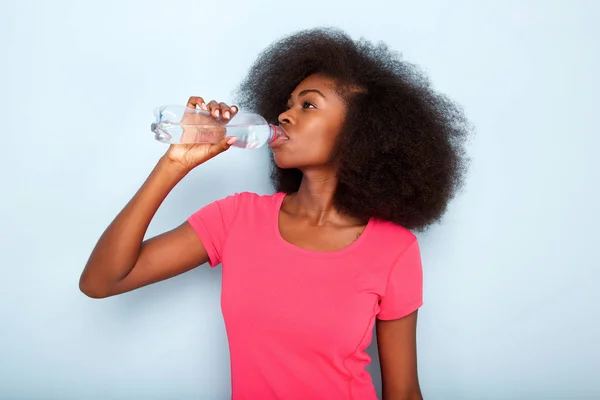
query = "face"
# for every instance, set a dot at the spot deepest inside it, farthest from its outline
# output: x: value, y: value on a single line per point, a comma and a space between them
x: 312, y: 122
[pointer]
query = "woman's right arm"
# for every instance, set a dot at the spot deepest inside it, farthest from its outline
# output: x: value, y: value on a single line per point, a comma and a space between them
x: 121, y: 260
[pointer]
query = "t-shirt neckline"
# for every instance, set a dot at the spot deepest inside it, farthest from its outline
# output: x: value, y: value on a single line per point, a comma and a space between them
x: 280, y: 196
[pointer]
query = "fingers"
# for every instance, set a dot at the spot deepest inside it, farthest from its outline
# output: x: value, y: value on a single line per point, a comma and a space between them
x: 225, y: 110
x: 216, y: 109
x: 213, y: 108
x: 222, y: 146
x: 228, y: 112
x: 196, y: 101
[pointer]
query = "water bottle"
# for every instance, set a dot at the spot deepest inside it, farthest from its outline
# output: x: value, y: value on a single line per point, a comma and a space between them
x: 180, y: 124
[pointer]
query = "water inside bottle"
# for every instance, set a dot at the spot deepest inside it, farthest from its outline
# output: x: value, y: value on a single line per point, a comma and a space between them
x: 178, y: 124
x: 250, y: 136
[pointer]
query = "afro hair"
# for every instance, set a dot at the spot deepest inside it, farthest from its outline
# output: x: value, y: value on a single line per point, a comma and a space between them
x: 400, y: 154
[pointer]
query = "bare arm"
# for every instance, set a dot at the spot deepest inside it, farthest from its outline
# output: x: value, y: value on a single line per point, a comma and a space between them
x: 397, y: 345
x: 121, y: 260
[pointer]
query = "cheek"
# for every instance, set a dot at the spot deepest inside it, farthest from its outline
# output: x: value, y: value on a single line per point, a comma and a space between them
x: 323, y: 147
x: 318, y: 146
x: 312, y: 147
x: 310, y: 151
x: 327, y: 140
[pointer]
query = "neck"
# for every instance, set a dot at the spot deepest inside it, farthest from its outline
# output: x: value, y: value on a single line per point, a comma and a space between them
x: 314, y: 199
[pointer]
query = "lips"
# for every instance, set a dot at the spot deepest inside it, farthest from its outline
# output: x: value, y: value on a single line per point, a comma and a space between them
x: 284, y: 133
x: 284, y: 137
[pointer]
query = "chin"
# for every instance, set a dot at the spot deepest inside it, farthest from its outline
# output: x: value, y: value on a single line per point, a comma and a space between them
x: 286, y: 159
x: 286, y: 162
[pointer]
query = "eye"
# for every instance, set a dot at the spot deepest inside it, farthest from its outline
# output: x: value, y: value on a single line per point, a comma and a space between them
x: 305, y: 105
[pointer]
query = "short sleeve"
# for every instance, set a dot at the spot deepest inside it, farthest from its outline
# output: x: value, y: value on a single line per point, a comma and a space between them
x: 404, y: 292
x: 212, y: 223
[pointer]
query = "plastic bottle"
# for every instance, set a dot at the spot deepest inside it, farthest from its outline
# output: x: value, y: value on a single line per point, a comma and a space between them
x: 180, y: 124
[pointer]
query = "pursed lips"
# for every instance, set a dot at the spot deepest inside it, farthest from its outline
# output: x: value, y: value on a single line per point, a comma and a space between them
x: 281, y: 139
x: 284, y: 132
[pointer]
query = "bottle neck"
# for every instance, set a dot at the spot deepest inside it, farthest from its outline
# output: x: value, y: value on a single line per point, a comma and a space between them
x: 274, y: 132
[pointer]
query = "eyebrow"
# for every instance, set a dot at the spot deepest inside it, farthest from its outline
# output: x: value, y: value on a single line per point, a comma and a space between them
x: 306, y: 91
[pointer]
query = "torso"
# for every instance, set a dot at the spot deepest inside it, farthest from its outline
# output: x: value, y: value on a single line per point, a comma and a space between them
x: 302, y: 233
x: 299, y: 306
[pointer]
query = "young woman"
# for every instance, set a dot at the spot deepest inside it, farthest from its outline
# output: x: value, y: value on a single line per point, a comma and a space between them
x: 370, y: 152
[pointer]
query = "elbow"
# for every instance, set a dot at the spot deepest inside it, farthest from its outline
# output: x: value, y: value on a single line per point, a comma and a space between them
x: 91, y: 289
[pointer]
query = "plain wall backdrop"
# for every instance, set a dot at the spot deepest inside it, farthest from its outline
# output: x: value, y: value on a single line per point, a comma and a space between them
x: 511, y: 274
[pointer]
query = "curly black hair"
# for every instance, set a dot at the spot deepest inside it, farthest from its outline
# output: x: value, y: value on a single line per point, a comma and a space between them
x: 400, y: 154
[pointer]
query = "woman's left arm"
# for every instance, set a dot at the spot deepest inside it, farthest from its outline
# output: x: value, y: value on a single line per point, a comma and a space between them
x: 397, y: 343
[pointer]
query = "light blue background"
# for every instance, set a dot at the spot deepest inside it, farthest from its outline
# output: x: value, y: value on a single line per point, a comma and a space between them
x: 511, y: 275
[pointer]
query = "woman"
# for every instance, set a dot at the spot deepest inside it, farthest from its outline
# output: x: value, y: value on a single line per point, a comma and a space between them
x: 369, y: 152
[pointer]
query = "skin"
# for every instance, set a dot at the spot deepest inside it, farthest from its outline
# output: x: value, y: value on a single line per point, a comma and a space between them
x: 122, y: 261
x: 312, y: 122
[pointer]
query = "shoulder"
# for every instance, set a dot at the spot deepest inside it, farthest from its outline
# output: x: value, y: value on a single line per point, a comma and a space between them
x: 241, y: 206
x: 391, y: 235
x: 244, y: 201
x: 254, y: 198
x: 229, y: 206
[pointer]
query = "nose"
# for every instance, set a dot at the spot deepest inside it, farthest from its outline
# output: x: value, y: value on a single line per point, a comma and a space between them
x: 286, y: 117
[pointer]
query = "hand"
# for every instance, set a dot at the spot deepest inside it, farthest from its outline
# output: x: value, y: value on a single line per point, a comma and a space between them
x: 198, y: 127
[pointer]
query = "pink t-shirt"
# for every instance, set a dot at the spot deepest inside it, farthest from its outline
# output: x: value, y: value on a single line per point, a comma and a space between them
x: 298, y: 321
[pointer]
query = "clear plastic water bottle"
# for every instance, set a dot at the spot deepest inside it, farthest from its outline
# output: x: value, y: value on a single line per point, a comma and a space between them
x: 180, y: 124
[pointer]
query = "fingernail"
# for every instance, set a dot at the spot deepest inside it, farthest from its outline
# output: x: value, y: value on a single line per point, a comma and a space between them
x: 226, y: 114
x: 231, y: 140
x: 216, y: 113
x: 234, y: 108
x: 203, y: 106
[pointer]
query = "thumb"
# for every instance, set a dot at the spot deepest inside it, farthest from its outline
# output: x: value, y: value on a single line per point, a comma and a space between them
x: 223, y: 145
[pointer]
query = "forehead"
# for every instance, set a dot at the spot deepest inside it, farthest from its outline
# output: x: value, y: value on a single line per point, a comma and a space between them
x: 316, y: 81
